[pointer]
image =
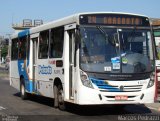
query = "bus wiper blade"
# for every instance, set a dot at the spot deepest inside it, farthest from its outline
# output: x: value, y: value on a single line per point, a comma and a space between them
x: 108, y: 38
x: 132, y: 35
x: 103, y: 32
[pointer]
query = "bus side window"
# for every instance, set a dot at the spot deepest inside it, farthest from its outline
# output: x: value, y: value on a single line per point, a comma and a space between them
x: 56, y: 42
x: 43, y: 45
x: 22, y: 48
x: 14, y: 51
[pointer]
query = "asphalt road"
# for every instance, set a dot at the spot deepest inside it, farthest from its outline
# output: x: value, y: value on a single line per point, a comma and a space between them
x: 12, y: 108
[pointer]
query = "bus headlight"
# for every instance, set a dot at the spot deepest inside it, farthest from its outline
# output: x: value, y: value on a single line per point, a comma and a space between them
x: 85, y: 80
x: 151, y: 81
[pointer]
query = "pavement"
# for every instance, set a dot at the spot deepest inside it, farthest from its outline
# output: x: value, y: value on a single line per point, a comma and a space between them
x: 3, y: 72
x: 154, y: 106
x: 2, y: 65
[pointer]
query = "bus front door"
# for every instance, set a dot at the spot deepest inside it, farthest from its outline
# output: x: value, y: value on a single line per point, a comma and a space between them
x: 72, y: 67
x: 34, y: 61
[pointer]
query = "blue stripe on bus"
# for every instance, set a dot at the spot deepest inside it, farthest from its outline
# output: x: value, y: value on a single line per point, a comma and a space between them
x: 109, y: 88
x: 23, y: 33
x: 22, y: 69
x: 102, y: 84
x: 29, y: 86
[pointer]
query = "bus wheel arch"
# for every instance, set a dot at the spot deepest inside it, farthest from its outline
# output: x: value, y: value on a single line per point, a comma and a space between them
x: 58, y: 94
x: 22, y: 88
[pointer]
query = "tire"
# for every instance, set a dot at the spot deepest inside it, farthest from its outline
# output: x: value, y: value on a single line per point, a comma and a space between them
x: 60, y: 94
x: 22, y: 90
x: 55, y: 88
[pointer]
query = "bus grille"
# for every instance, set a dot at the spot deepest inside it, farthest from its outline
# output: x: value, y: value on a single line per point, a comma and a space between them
x: 132, y: 88
x: 106, y: 87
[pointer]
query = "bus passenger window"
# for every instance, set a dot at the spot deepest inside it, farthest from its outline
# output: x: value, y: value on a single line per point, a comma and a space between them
x: 22, y: 48
x: 14, y: 51
x: 43, y: 45
x: 56, y: 42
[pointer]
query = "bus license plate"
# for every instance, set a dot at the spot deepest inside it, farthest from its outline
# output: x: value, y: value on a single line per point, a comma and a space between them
x: 121, y: 97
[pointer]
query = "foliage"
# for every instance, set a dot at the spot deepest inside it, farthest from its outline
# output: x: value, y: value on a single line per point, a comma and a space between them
x: 4, y: 51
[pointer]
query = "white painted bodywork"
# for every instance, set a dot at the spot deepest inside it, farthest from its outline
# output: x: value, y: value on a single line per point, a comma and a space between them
x: 82, y: 95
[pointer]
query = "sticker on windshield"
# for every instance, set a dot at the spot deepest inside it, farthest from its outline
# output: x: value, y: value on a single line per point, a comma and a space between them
x: 115, y: 60
x: 107, y: 68
x: 116, y: 66
x: 124, y: 60
x: 115, y: 63
x: 123, y: 54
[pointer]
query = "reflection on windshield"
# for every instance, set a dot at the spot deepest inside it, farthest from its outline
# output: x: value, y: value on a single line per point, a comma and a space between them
x: 118, y: 51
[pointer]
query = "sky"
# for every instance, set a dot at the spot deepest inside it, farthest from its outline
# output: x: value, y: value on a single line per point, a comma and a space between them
x: 14, y: 11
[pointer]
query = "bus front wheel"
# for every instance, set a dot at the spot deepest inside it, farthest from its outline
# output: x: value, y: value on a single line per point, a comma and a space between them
x: 55, y: 88
x: 60, y: 95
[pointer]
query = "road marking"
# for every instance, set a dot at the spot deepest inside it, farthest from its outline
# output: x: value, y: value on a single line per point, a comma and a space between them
x: 2, y: 108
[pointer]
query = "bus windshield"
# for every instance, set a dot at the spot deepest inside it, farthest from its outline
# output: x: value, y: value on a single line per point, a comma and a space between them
x: 115, y: 50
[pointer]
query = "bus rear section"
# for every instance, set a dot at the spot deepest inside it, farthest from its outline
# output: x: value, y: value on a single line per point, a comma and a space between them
x: 19, y: 64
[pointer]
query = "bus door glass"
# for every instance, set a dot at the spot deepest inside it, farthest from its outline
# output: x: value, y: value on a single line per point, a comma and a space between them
x: 71, y: 34
x: 35, y: 43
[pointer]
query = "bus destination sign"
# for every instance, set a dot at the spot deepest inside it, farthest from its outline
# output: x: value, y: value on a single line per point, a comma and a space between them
x: 114, y: 19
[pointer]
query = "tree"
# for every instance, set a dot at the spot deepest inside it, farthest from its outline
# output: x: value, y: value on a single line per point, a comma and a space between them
x: 4, y: 51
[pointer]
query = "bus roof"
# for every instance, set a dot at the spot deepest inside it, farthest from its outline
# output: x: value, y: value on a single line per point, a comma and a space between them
x: 65, y: 21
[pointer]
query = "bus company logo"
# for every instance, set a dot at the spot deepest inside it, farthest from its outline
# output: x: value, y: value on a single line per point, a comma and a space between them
x: 121, y: 88
x: 44, y: 69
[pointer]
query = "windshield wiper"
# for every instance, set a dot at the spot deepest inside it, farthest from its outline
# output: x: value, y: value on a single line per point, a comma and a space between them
x: 103, y: 32
x: 132, y: 37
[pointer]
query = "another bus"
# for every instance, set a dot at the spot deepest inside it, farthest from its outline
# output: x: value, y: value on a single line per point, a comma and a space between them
x: 86, y: 59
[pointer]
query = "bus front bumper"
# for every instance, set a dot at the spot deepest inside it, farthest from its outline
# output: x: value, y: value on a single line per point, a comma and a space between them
x: 88, y: 96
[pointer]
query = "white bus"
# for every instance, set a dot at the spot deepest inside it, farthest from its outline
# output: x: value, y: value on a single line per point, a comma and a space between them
x: 86, y: 59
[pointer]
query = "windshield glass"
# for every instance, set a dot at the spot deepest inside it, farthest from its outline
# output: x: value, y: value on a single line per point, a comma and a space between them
x: 115, y: 50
